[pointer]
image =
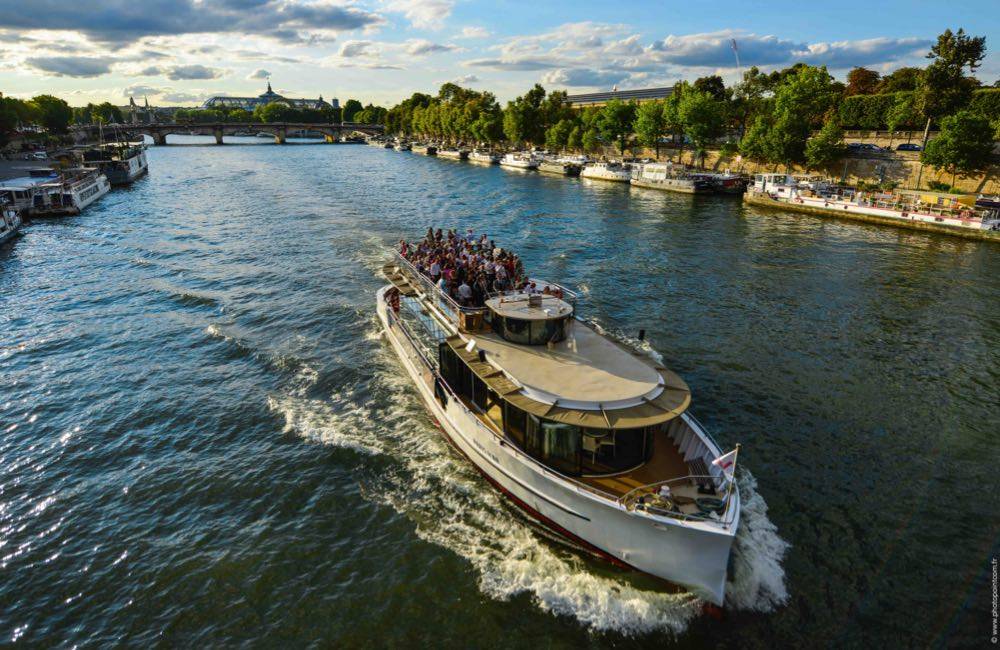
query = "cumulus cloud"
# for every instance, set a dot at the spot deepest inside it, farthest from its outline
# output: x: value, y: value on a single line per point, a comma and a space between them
x: 474, y: 32
x: 183, y: 98
x: 72, y: 66
x: 193, y: 71
x: 465, y: 79
x: 150, y: 71
x: 139, y: 89
x: 848, y: 54
x: 125, y: 21
x: 259, y: 73
x: 352, y: 49
x: 425, y: 14
x: 515, y: 64
x: 420, y: 47
x: 584, y: 77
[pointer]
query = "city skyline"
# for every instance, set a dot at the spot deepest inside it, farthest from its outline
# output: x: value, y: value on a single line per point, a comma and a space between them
x: 180, y: 52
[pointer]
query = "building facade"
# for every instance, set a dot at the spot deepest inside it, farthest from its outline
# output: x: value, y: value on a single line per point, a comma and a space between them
x: 269, y: 97
x: 600, y: 99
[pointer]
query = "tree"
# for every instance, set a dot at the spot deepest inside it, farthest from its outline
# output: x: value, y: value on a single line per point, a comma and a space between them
x: 826, y: 148
x: 52, y: 113
x: 754, y: 143
x: 862, y: 81
x: 557, y: 135
x: 650, y: 125
x: 964, y: 146
x: 905, y: 78
x: 575, y: 140
x: 713, y: 85
x: 350, y: 109
x: 615, y: 122
x: 108, y: 113
x: 902, y: 113
x: 13, y: 113
x: 786, y: 139
x: 944, y: 88
x: 702, y: 118
x: 275, y: 112
x: 591, y: 140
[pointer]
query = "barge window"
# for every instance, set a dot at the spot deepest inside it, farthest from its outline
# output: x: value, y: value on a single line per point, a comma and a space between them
x: 515, y: 423
x: 555, y: 444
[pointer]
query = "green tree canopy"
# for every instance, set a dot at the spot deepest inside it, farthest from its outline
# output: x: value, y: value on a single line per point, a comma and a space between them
x: 862, y: 81
x: 52, y: 113
x: 650, y: 126
x: 964, y: 146
x: 702, y: 118
x: 351, y: 108
x: 615, y: 122
x: 944, y: 86
x: 826, y: 148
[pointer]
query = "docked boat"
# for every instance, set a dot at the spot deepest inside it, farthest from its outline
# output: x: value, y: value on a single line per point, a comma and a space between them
x: 520, y: 160
x: 608, y: 171
x: 456, y: 154
x: 10, y: 221
x: 425, y: 149
x: 664, y: 176
x: 66, y: 192
x: 484, y: 157
x: 921, y: 209
x: 120, y: 162
x: 590, y: 437
x: 402, y: 146
x: 562, y: 168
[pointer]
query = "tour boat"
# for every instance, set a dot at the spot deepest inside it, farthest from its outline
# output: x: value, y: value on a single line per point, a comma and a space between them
x: 915, y: 208
x: 555, y: 166
x: 69, y: 192
x: 665, y: 176
x: 520, y: 160
x: 484, y: 157
x: 590, y: 437
x: 121, y: 163
x: 608, y: 171
x: 10, y: 221
x: 457, y: 154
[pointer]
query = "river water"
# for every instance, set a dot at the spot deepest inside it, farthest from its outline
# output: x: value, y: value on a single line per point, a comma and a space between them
x: 206, y: 441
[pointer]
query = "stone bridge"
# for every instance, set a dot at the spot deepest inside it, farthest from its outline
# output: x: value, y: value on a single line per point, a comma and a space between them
x: 280, y: 130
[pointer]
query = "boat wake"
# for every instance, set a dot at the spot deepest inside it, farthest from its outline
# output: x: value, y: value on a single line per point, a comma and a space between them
x: 451, y: 506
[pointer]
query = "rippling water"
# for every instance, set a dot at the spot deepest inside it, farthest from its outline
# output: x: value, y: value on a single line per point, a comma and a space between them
x: 205, y: 439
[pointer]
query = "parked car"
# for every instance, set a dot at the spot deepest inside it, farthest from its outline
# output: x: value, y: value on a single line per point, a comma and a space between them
x: 908, y: 146
x: 860, y: 147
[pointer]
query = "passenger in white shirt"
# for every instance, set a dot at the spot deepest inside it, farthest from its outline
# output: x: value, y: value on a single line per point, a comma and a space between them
x: 464, y: 292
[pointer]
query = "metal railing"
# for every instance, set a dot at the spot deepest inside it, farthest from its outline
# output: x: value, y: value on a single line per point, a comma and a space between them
x: 631, y: 499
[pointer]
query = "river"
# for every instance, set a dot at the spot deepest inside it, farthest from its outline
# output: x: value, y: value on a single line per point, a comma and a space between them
x: 207, y: 442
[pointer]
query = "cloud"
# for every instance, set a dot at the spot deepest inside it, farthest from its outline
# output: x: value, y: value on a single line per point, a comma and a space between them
x: 424, y: 14
x: 474, y: 32
x: 465, y: 79
x: 420, y: 47
x: 516, y: 64
x: 72, y: 66
x: 848, y: 54
x: 352, y: 49
x: 151, y: 71
x: 193, y: 71
x: 140, y: 89
x: 259, y: 73
x: 584, y: 77
x: 126, y: 21
x: 183, y: 98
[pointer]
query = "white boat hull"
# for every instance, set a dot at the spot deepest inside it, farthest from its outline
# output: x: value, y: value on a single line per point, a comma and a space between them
x: 692, y: 554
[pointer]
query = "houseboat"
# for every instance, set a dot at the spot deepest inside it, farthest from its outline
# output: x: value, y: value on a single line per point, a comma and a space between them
x: 920, y: 209
x: 608, y: 171
x: 456, y: 154
x: 10, y: 220
x: 665, y: 176
x: 560, y: 167
x: 120, y: 162
x: 520, y: 160
x: 65, y: 192
x: 484, y: 157
x: 590, y: 437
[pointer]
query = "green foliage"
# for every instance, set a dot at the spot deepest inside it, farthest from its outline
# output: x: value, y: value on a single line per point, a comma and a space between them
x: 615, y: 121
x: 591, y: 140
x: 826, y: 148
x: 275, y: 112
x: 713, y: 85
x: 903, y: 112
x: 865, y: 111
x: 902, y: 79
x: 557, y: 135
x: 986, y: 102
x: 943, y: 87
x: 350, y: 109
x: 701, y: 116
x: 650, y: 125
x: 964, y: 146
x: 52, y: 113
x: 753, y: 146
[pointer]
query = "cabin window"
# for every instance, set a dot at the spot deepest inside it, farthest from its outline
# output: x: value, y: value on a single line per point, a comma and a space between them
x: 515, y: 424
x: 517, y: 330
x: 555, y: 444
x: 530, y: 332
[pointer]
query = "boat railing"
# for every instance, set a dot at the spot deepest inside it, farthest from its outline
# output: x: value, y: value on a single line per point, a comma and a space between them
x: 636, y: 499
x: 576, y: 486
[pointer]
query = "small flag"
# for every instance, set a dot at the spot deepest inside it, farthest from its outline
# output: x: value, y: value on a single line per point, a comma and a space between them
x: 727, y: 462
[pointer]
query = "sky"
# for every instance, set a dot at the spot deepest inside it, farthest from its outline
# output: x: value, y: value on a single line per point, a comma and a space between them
x: 179, y: 52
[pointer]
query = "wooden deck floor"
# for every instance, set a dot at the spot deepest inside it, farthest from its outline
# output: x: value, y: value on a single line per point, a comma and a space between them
x: 666, y: 463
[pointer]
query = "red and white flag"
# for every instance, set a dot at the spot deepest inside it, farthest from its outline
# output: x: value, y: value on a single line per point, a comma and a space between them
x: 727, y: 462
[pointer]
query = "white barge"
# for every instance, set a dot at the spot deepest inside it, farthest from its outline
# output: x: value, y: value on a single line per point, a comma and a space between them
x: 591, y: 438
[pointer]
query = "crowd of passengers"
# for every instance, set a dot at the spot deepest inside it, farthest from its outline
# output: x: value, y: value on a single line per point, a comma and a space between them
x: 469, y: 268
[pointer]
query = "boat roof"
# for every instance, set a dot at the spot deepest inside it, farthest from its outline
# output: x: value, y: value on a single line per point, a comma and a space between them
x: 27, y: 182
x: 518, y: 305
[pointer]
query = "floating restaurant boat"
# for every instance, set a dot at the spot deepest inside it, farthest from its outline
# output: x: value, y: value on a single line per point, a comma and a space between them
x: 120, y: 162
x: 484, y: 157
x: 49, y: 193
x: 560, y: 167
x: 608, y: 171
x: 588, y: 436
x: 950, y: 213
x: 520, y: 160
x: 456, y: 154
x: 10, y: 221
